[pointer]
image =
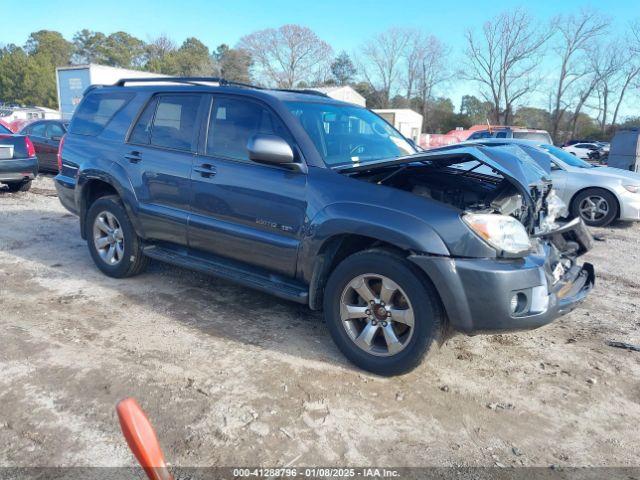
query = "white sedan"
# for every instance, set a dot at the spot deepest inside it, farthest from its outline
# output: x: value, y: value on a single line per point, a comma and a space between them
x: 583, y: 150
x: 598, y: 195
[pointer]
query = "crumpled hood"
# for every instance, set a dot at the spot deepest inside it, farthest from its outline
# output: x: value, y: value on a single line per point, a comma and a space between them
x: 509, y: 160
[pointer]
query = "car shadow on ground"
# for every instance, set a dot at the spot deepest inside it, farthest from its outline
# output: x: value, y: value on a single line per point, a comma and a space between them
x: 214, y: 306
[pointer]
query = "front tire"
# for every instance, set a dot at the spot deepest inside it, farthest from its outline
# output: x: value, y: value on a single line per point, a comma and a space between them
x: 597, y: 207
x: 381, y: 312
x: 113, y: 243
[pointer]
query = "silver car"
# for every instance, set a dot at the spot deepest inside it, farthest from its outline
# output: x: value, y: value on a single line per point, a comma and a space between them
x: 599, y: 195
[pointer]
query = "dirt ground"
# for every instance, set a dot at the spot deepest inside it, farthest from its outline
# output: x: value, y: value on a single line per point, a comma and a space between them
x: 234, y: 377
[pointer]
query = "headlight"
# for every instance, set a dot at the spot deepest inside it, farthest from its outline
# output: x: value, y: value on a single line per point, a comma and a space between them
x: 500, y: 231
x: 632, y: 188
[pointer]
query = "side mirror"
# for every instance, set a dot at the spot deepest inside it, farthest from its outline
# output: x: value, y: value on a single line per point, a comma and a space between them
x: 270, y: 149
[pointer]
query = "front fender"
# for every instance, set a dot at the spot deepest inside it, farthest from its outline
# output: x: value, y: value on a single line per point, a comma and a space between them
x: 394, y: 227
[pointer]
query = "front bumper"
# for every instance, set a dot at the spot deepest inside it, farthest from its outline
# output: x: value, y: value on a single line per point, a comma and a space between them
x: 477, y: 292
x: 629, y: 205
x: 16, y: 170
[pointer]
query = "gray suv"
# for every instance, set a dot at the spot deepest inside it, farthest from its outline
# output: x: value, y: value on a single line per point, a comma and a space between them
x: 323, y: 203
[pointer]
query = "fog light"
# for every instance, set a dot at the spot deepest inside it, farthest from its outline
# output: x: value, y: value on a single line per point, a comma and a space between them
x: 518, y: 303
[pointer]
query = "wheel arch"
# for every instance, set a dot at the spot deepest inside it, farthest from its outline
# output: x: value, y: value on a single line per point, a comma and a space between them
x: 340, y: 246
x: 94, y: 186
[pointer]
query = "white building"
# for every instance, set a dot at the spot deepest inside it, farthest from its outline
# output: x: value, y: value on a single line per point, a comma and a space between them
x: 405, y: 120
x: 344, y: 94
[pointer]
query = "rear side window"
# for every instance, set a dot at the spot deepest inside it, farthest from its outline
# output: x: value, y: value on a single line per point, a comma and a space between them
x: 234, y: 121
x: 55, y: 130
x: 96, y: 110
x: 141, y: 133
x: 168, y: 122
x: 38, y: 130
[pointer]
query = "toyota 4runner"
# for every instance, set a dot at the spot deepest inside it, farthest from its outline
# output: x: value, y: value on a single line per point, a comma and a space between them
x: 323, y: 203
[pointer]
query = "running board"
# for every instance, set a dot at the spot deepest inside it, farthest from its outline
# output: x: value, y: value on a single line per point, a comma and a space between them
x: 234, y: 272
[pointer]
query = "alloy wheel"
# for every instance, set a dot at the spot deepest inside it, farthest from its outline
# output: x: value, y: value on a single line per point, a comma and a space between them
x: 108, y: 238
x: 377, y: 314
x: 593, y: 208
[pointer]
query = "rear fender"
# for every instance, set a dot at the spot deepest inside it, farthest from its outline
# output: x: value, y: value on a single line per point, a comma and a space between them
x: 120, y: 182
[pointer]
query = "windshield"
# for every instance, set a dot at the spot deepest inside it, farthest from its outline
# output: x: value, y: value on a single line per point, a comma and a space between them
x: 566, y: 157
x: 4, y: 130
x: 535, y: 136
x: 346, y: 135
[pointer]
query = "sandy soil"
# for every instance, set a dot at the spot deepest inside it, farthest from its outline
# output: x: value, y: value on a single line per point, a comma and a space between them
x: 230, y: 376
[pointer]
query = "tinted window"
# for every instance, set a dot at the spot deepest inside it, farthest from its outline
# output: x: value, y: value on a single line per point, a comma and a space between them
x: 55, y: 130
x: 501, y: 134
x: 174, y: 124
x: 96, y: 111
x: 142, y: 131
x: 38, y: 130
x: 234, y: 121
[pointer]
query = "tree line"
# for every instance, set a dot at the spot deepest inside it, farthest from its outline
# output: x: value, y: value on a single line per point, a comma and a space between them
x: 591, y: 73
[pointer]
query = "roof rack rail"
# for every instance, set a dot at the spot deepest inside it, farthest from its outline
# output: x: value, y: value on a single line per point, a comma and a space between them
x: 219, y: 80
x: 308, y: 91
x: 188, y: 80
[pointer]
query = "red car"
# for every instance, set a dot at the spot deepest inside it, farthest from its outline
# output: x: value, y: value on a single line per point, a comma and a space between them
x: 46, y: 136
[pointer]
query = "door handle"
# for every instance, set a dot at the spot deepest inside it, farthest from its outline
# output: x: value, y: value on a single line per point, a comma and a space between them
x: 133, y: 157
x: 205, y: 170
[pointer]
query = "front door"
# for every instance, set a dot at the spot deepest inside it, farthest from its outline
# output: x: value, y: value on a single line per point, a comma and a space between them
x: 240, y: 209
x: 158, y: 157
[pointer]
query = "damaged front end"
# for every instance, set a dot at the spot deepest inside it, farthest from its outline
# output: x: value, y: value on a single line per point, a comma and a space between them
x: 505, y: 197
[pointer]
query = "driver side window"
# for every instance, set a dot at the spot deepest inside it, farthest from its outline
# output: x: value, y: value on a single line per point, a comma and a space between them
x: 234, y: 121
x: 554, y: 166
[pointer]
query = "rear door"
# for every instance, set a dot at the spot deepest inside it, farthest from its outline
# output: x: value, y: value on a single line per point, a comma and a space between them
x: 54, y: 133
x: 159, y: 154
x: 240, y: 209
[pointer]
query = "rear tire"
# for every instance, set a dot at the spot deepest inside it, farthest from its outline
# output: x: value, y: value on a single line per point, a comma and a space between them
x: 22, y: 186
x: 113, y: 243
x: 597, y: 207
x: 369, y: 338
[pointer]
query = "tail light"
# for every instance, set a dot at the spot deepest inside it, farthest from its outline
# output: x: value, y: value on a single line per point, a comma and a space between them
x: 31, y: 150
x: 60, y: 153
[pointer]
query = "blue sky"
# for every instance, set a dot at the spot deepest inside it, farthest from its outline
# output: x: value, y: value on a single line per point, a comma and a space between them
x: 344, y: 24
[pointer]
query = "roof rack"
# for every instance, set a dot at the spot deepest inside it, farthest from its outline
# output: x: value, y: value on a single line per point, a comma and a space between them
x: 302, y: 90
x: 219, y: 80
x: 188, y: 80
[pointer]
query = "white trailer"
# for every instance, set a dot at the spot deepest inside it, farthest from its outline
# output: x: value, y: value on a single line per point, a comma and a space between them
x: 72, y: 81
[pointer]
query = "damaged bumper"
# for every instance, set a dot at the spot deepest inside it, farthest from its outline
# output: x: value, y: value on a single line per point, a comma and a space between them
x: 489, y: 295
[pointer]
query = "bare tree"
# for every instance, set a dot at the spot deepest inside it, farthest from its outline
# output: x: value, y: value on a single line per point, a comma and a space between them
x: 503, y: 58
x: 288, y: 55
x: 631, y: 68
x: 432, y: 70
x: 577, y: 33
x: 381, y: 58
x: 617, y: 74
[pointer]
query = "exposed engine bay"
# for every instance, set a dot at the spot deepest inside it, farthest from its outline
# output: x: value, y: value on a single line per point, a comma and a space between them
x: 477, y: 188
x: 470, y: 191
